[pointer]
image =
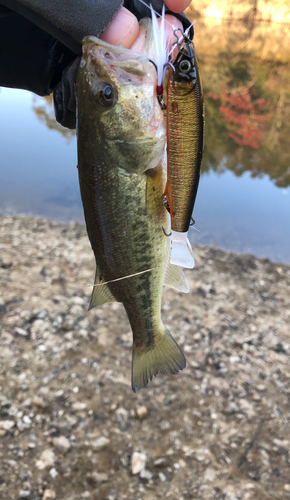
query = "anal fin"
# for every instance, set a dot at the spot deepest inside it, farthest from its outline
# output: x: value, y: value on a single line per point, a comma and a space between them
x: 174, y: 278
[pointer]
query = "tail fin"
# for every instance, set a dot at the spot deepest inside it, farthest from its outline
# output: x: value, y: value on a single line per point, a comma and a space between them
x: 165, y: 356
x: 181, y: 252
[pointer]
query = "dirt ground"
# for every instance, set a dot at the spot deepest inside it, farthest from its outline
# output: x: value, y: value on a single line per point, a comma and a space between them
x: 70, y: 425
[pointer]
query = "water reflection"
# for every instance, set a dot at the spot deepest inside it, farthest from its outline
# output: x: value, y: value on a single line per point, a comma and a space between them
x: 43, y: 108
x: 247, y: 119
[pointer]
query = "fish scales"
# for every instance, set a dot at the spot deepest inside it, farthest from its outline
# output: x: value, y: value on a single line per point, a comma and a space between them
x: 122, y: 175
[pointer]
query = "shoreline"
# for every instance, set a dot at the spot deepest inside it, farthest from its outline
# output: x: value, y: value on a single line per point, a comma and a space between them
x: 68, y: 416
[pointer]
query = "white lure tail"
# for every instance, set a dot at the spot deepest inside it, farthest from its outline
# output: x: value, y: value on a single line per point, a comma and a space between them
x: 181, y: 251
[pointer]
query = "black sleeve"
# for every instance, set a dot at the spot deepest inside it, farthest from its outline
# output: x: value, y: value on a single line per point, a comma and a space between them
x: 39, y: 38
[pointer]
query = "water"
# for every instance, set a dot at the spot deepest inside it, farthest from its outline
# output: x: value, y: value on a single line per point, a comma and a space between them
x: 243, y: 203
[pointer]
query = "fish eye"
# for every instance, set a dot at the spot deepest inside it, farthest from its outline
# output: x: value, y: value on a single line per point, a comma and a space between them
x: 185, y: 66
x: 106, y: 94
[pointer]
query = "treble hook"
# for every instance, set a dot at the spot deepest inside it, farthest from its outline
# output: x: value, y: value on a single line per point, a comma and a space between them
x: 150, y: 60
x: 169, y: 63
x: 192, y: 221
x: 168, y: 235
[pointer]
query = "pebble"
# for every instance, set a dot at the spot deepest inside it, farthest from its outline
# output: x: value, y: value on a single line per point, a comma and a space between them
x: 146, y: 474
x: 100, y: 443
x: 287, y: 487
x: 53, y: 472
x: 61, y: 443
x: 47, y: 458
x: 138, y: 461
x: 160, y: 462
x: 21, y: 332
x: 24, y: 494
x: 98, y: 477
x: 142, y: 412
x: 78, y: 406
x: 49, y: 495
x: 6, y: 425
x: 39, y: 402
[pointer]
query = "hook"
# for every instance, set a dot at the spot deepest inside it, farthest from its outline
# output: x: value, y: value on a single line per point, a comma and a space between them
x: 192, y: 221
x: 168, y: 235
x: 150, y: 60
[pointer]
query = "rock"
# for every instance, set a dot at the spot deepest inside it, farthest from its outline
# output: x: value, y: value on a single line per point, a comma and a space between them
x: 62, y: 444
x: 6, y: 425
x: 53, y: 472
x: 138, y: 461
x: 21, y: 332
x: 100, y: 443
x: 162, y: 477
x: 24, y: 494
x: 27, y: 420
x: 49, y: 495
x: 78, y: 406
x: 160, y: 462
x: 97, y: 477
x: 39, y: 402
x: 286, y: 487
x: 146, y: 474
x: 164, y: 425
x: 47, y: 458
x: 142, y: 412
x: 122, y: 414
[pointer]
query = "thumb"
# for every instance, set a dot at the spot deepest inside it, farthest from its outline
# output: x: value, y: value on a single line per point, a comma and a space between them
x: 123, y: 29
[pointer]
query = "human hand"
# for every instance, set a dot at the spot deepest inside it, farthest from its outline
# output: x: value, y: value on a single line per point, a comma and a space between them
x: 124, y: 28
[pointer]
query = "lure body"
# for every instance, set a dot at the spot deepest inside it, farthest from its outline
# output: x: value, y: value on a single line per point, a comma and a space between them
x: 185, y: 131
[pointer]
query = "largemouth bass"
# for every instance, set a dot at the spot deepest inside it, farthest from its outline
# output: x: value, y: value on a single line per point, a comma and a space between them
x: 122, y: 173
x: 185, y: 134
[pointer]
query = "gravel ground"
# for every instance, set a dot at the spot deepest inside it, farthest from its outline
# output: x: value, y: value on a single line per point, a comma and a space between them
x: 70, y: 425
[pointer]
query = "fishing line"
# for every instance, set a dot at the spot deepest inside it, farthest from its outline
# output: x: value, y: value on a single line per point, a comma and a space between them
x: 123, y: 278
x: 178, y: 42
x: 156, y: 13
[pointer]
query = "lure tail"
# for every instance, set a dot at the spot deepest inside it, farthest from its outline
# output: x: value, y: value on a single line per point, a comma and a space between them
x: 181, y: 252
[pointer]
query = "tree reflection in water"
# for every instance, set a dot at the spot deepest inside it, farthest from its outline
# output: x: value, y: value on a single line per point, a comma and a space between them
x: 247, y: 116
x: 43, y: 108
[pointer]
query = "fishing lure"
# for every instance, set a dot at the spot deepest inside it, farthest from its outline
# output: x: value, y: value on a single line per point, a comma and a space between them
x: 185, y: 133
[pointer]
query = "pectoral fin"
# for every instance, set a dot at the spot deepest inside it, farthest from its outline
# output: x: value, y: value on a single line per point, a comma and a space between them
x: 101, y: 293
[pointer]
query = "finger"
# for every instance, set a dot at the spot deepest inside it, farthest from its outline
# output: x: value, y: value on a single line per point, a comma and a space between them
x: 177, y: 5
x: 123, y: 29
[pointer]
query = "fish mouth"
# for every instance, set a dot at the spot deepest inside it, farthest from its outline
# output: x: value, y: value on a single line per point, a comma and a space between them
x: 132, y: 60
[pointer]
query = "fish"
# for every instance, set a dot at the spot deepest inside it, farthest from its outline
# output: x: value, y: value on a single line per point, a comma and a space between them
x: 185, y: 137
x: 121, y: 136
